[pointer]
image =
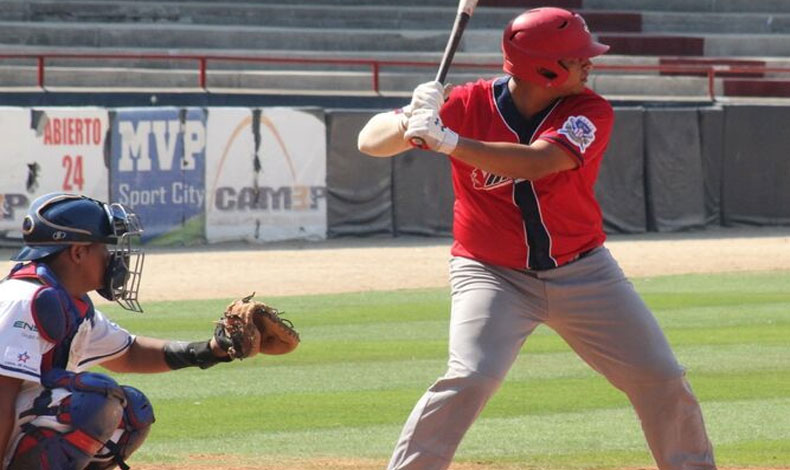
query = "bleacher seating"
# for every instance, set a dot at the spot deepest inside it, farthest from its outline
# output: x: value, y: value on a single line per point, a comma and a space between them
x: 727, y: 34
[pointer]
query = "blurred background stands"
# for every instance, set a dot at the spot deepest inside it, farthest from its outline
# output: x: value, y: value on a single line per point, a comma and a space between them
x: 671, y: 49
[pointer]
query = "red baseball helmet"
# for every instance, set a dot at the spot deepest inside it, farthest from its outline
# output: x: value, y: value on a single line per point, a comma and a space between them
x: 537, y: 39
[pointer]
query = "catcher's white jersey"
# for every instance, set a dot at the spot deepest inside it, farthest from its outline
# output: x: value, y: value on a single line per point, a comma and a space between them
x: 22, y: 348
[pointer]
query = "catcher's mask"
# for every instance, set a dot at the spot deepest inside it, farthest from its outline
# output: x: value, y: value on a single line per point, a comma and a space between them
x: 535, y: 41
x: 57, y: 220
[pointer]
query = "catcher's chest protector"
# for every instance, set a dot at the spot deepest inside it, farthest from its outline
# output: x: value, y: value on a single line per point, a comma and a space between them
x: 56, y: 316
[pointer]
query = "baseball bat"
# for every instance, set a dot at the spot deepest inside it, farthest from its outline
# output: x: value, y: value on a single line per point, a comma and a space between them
x: 465, y: 10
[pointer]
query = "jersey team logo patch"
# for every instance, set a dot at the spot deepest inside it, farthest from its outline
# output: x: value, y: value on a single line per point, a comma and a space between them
x: 580, y: 131
x: 21, y: 359
x: 488, y: 181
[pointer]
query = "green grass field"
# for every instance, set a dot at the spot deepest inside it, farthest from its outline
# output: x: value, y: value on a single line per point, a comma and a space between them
x: 366, y: 358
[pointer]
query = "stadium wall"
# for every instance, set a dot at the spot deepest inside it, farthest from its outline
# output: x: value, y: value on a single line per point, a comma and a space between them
x: 208, y: 174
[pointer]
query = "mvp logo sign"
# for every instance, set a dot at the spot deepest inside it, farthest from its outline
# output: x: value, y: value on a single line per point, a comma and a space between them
x: 166, y: 137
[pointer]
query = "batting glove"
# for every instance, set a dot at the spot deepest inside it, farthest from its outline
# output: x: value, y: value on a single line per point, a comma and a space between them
x: 427, y: 128
x: 428, y: 95
x: 404, y: 113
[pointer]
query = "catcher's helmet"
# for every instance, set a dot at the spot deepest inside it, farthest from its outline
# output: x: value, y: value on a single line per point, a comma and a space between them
x: 57, y: 220
x: 535, y: 41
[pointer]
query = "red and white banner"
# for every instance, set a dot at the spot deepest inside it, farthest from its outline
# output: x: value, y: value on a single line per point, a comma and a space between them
x: 265, y: 175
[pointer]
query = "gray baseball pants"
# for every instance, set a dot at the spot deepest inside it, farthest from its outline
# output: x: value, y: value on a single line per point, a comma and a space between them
x: 596, y: 310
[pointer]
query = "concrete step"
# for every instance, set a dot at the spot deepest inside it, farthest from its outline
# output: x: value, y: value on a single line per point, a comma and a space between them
x: 743, y: 6
x: 100, y: 35
x: 726, y: 23
x: 217, y: 37
x: 439, y: 18
x: 712, y: 6
x: 242, y: 14
x: 374, y: 17
x: 447, y: 3
x: 666, y: 44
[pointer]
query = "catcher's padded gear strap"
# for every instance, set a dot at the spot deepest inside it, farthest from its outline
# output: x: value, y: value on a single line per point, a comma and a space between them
x: 83, y: 382
x: 138, y: 416
x: 180, y: 354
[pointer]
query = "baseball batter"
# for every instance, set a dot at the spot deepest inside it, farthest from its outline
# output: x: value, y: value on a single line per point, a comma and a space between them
x: 54, y: 415
x: 528, y: 243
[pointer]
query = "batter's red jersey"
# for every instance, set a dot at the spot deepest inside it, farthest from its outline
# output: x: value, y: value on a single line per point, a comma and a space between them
x: 526, y: 224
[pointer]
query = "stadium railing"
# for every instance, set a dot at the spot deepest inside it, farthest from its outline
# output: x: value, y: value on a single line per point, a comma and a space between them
x: 711, y: 69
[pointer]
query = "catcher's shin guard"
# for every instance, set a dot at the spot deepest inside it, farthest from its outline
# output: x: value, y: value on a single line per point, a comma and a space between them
x: 138, y: 416
x: 71, y: 420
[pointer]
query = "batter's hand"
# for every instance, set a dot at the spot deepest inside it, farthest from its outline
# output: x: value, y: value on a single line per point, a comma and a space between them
x: 427, y: 126
x: 429, y: 95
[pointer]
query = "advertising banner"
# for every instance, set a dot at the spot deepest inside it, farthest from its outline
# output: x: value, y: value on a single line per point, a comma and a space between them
x: 49, y: 150
x: 157, y: 168
x: 266, y: 175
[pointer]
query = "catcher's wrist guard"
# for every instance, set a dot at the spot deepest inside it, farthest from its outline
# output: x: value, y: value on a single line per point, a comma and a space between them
x: 180, y: 354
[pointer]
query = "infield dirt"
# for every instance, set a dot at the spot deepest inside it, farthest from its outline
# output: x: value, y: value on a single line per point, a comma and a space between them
x: 362, y: 264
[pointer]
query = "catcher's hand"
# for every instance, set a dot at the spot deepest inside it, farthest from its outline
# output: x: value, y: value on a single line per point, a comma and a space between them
x: 248, y: 327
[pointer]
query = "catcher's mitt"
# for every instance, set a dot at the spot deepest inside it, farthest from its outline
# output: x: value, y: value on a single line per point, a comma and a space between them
x: 248, y: 327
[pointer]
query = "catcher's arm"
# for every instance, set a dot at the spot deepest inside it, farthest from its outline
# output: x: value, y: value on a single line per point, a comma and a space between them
x: 149, y: 355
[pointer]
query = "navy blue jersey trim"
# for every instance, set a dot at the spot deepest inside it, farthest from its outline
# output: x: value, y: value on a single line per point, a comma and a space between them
x: 21, y: 371
x: 538, y: 239
x: 537, y: 236
x: 507, y: 108
x: 96, y: 358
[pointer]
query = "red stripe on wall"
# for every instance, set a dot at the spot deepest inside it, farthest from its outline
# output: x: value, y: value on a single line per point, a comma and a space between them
x: 527, y: 4
x: 654, y: 45
x: 751, y: 87
x: 600, y: 21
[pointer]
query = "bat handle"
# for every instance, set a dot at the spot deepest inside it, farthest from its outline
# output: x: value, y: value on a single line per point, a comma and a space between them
x: 418, y: 143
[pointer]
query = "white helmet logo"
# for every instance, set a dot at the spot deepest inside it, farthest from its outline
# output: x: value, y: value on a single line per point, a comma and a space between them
x: 59, y: 235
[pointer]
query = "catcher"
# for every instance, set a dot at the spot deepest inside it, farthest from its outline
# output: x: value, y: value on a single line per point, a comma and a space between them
x: 56, y: 415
